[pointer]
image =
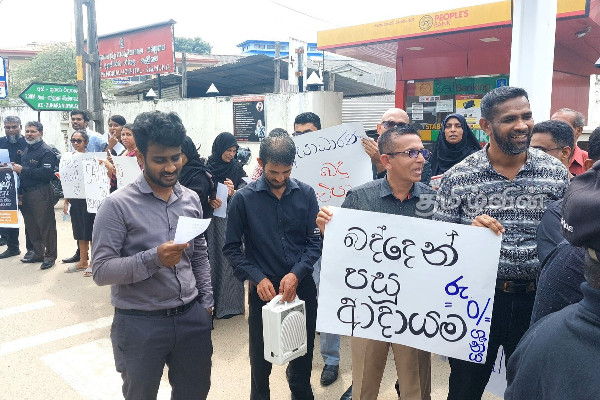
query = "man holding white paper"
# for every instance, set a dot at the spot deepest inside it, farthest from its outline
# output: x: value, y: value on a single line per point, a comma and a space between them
x: 274, y: 217
x: 161, y: 290
x: 403, y: 157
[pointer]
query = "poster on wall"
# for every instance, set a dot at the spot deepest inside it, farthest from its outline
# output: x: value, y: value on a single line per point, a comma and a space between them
x: 249, y: 118
x: 469, y: 106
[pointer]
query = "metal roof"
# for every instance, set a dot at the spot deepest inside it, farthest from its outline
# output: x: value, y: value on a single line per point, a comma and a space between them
x: 249, y: 75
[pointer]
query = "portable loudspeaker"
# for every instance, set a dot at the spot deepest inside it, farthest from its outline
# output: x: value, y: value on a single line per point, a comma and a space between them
x: 284, y: 330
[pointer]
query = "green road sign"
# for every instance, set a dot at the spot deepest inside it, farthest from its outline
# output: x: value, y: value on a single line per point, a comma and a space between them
x: 50, y: 97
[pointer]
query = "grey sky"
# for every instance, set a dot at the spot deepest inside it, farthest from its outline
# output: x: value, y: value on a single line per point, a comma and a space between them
x: 224, y: 23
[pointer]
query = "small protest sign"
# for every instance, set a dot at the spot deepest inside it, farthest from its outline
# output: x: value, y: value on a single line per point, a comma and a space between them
x: 421, y: 283
x: 126, y: 169
x: 332, y: 161
x: 71, y: 173
x: 96, y: 182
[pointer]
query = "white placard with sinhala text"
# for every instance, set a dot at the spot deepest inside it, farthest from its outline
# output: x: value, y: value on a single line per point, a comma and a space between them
x: 332, y: 161
x: 96, y: 182
x: 126, y: 169
x: 421, y: 283
x: 71, y: 173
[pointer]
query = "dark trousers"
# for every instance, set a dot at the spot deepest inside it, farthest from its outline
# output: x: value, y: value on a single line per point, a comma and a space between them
x: 12, y: 237
x: 40, y: 224
x: 298, y: 370
x: 143, y: 345
x: 510, y: 320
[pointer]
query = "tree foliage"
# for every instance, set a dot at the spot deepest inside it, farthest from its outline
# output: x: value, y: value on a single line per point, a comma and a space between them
x: 192, y: 45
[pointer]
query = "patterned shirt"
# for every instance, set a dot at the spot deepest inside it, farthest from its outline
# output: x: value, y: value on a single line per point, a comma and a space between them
x: 473, y: 187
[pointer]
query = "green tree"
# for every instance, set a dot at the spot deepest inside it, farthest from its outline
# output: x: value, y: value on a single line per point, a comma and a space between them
x: 192, y: 45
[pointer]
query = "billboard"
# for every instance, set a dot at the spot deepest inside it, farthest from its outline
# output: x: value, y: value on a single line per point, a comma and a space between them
x: 140, y: 51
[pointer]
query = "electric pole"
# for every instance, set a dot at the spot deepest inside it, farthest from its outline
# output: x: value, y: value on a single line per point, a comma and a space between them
x: 93, y: 99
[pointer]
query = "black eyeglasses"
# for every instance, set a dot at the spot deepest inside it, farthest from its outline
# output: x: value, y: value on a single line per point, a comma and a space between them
x: 76, y: 141
x: 391, y: 124
x: 412, y: 153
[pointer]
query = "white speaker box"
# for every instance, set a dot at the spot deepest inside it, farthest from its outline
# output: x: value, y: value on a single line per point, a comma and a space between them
x: 284, y: 330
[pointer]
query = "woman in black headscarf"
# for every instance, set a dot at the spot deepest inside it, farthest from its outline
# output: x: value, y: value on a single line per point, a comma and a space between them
x: 455, y: 142
x: 228, y: 292
x: 194, y: 175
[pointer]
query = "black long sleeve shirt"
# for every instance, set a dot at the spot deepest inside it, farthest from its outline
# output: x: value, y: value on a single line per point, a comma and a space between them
x: 280, y: 235
x: 14, y: 149
x: 39, y: 163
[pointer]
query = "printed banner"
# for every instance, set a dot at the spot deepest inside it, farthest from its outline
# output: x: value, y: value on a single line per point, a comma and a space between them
x: 97, y: 183
x: 421, y: 283
x: 127, y: 170
x: 71, y: 173
x: 9, y: 204
x: 249, y: 118
x: 332, y: 161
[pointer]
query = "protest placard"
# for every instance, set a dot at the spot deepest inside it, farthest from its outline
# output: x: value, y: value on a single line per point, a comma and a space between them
x: 96, y: 182
x: 9, y: 215
x: 126, y: 169
x: 71, y: 173
x: 332, y: 161
x: 421, y: 283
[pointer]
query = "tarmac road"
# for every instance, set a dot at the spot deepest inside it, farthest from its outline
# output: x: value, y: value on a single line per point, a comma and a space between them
x: 54, y: 341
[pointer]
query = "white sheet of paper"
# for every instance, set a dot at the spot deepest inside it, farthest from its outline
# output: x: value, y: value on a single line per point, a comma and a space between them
x: 4, y: 157
x: 188, y: 228
x: 222, y: 192
x: 119, y: 148
x: 247, y: 179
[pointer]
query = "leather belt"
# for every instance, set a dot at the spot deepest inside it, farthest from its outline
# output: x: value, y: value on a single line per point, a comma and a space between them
x: 515, y: 286
x: 156, y: 313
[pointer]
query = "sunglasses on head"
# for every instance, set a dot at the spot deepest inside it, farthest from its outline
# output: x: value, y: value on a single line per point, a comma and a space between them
x: 76, y: 141
x: 391, y: 124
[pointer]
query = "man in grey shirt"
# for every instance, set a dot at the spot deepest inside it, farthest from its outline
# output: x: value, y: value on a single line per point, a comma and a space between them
x: 161, y: 290
x: 399, y: 192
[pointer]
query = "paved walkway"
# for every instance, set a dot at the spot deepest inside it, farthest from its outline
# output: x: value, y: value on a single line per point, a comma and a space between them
x: 54, y: 341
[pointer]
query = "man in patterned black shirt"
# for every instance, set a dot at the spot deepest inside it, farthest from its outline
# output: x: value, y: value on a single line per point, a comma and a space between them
x: 506, y: 187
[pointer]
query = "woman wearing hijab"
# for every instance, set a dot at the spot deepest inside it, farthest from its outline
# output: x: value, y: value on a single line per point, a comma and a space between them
x: 228, y: 292
x: 194, y: 175
x: 454, y: 144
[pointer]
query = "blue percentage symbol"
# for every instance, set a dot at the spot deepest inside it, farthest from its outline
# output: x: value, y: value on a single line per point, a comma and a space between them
x: 477, y: 314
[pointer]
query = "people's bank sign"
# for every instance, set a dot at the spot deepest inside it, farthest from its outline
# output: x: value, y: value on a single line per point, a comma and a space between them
x: 142, y: 51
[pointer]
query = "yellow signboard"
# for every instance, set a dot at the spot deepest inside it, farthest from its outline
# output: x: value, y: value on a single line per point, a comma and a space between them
x: 460, y: 19
x: 572, y: 8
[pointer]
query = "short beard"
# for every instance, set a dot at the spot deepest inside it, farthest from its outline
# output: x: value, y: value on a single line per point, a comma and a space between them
x: 34, y: 141
x: 13, y: 139
x: 509, y: 148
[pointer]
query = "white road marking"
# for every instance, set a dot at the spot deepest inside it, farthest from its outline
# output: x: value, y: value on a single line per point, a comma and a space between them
x: 52, y: 336
x: 90, y: 370
x: 25, y: 307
